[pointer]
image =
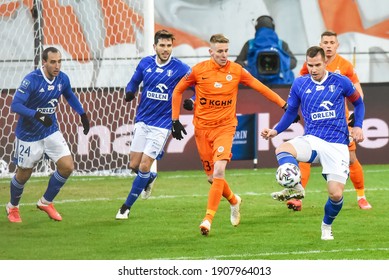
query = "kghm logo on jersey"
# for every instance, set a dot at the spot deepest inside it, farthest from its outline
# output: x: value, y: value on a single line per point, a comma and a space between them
x: 215, y: 103
x: 328, y: 114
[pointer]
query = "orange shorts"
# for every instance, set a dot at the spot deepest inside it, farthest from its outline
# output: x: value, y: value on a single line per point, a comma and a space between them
x: 214, y: 144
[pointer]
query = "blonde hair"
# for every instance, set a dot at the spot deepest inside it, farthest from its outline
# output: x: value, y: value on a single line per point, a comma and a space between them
x: 218, y: 38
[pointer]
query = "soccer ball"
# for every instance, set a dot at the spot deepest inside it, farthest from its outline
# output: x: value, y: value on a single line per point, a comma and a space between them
x: 288, y: 175
x: 3, y: 167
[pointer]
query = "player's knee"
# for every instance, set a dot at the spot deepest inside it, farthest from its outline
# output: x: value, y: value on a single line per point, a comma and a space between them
x: 134, y: 167
x: 23, y: 175
x: 66, y: 170
x: 280, y: 149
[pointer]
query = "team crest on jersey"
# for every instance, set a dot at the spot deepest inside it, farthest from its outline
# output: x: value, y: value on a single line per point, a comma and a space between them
x: 220, y: 149
x: 50, y: 87
x: 332, y: 88
x: 60, y: 87
x: 229, y: 77
x: 169, y: 73
x: 25, y: 84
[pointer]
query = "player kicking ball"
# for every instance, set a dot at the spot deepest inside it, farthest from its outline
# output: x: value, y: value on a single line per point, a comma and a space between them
x: 321, y: 96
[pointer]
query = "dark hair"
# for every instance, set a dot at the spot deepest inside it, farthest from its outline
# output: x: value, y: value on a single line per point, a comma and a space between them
x: 265, y: 21
x: 328, y: 33
x: 218, y: 38
x: 163, y: 34
x: 313, y: 51
x: 45, y: 53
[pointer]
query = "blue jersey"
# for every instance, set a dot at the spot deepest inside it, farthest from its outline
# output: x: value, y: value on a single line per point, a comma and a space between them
x: 323, y: 105
x: 37, y: 93
x: 159, y: 81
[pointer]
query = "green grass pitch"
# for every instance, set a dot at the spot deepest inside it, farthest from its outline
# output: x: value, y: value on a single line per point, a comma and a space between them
x: 166, y: 225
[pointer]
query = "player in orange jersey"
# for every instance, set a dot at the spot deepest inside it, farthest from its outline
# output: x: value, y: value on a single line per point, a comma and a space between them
x: 216, y: 84
x: 338, y: 64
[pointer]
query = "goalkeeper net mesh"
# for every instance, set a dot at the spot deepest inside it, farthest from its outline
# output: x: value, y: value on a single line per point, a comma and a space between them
x: 101, y: 42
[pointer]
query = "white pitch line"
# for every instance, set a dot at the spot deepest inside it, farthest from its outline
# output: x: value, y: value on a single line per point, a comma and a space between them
x: 244, y: 256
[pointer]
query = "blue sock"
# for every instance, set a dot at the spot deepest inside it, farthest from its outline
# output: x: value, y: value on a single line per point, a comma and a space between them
x: 331, y: 210
x: 55, y: 184
x: 285, y: 157
x: 16, y: 190
x: 140, y: 182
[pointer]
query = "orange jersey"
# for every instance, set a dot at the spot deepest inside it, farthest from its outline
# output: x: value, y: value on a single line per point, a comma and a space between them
x: 216, y: 90
x: 341, y: 66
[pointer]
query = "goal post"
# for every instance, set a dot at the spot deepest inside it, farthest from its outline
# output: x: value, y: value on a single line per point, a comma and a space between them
x: 101, y: 44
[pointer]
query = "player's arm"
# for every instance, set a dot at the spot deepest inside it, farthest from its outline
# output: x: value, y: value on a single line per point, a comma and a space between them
x: 189, y: 102
x: 18, y: 104
x: 359, y: 108
x: 133, y: 85
x: 359, y: 113
x: 286, y: 120
x: 183, y: 84
x: 73, y: 101
x: 359, y: 89
x: 249, y: 80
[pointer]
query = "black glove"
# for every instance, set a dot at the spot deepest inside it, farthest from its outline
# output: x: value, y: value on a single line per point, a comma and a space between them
x: 43, y: 119
x: 129, y: 96
x: 297, y: 119
x: 188, y: 104
x: 351, y: 120
x: 85, y: 123
x: 285, y: 107
x: 177, y: 128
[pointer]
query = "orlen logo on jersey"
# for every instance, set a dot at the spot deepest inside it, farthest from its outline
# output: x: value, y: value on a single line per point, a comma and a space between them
x: 49, y: 110
x: 157, y: 96
x: 329, y: 114
x: 216, y: 103
x: 323, y: 115
x: 46, y: 111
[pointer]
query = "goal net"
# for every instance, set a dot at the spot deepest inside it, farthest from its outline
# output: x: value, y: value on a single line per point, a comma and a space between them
x: 101, y: 42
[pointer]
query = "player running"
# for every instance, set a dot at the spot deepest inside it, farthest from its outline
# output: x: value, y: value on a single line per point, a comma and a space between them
x: 160, y: 73
x: 216, y: 84
x: 37, y: 132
